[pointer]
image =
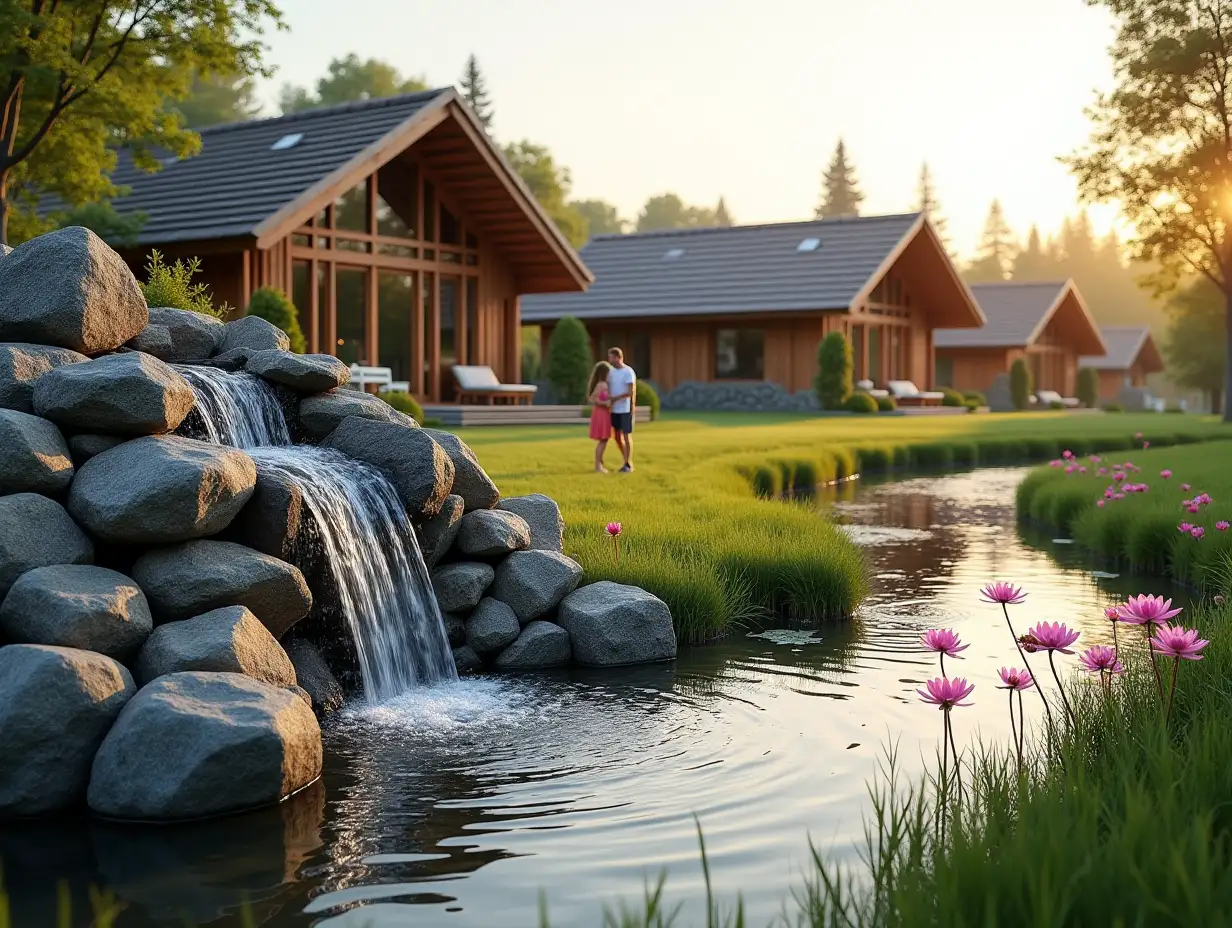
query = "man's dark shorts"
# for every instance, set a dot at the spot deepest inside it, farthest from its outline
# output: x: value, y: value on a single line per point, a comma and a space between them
x: 622, y: 422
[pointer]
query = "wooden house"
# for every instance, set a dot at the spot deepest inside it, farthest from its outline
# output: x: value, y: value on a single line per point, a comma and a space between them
x: 751, y: 303
x: 1046, y: 323
x: 396, y: 226
x: 1132, y: 355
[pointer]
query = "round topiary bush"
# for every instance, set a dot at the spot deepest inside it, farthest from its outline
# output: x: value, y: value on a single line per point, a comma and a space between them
x: 272, y: 305
x: 647, y: 396
x: 569, y: 360
x: 886, y: 403
x: 975, y: 396
x: 861, y: 403
x: 950, y: 397
x: 833, y: 379
x: 1088, y: 387
x: 1113, y: 407
x: 1020, y: 384
x: 404, y: 403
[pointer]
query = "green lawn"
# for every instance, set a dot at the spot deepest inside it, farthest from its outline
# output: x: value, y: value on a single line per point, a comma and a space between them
x: 695, y: 532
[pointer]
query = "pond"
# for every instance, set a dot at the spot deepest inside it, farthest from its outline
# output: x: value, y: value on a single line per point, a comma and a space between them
x: 470, y: 805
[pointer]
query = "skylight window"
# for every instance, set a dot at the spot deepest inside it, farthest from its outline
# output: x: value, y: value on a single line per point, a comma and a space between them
x: 809, y: 244
x: 287, y: 141
x: 673, y: 253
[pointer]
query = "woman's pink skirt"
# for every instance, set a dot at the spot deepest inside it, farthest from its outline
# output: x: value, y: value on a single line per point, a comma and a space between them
x: 600, y: 423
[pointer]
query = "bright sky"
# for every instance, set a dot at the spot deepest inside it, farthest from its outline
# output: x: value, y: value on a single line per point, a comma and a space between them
x: 746, y: 99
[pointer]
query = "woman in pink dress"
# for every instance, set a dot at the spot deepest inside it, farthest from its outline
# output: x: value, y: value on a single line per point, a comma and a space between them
x: 600, y: 412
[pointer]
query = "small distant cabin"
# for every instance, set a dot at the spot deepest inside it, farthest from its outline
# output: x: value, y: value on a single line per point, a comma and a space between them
x: 1132, y: 356
x: 1048, y: 324
x: 395, y: 225
x: 751, y: 303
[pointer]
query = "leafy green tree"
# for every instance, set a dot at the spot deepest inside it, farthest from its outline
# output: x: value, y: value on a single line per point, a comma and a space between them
x: 119, y: 230
x: 1088, y: 387
x: 995, y: 255
x: 1194, y: 344
x: 926, y: 203
x: 76, y: 78
x: 350, y: 80
x: 668, y: 211
x: 215, y: 99
x: 272, y: 305
x: 600, y: 216
x: 1162, y: 143
x: 550, y: 183
x: 1020, y: 384
x: 475, y: 90
x: 722, y: 217
x: 171, y: 285
x: 569, y: 360
x: 832, y: 382
x: 840, y: 192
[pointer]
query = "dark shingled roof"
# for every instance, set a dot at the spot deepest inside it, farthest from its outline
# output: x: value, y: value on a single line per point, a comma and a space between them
x: 1124, y: 343
x: 237, y: 181
x: 753, y: 268
x: 1014, y: 313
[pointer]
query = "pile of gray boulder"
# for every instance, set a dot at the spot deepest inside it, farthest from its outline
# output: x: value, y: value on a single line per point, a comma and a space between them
x: 167, y: 633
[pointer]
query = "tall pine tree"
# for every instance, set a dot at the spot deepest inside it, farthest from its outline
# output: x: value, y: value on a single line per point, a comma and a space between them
x: 475, y: 90
x: 1034, y: 263
x: 926, y: 203
x: 840, y: 194
x: 722, y: 217
x: 996, y: 252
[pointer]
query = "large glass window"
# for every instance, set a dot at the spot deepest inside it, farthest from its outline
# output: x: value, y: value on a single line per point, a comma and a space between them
x: 472, y: 320
x: 639, y: 353
x: 429, y: 319
x: 451, y: 229
x: 896, y: 365
x: 945, y: 372
x: 323, y: 272
x: 858, y: 367
x: 352, y: 315
x: 301, y: 296
x: 395, y: 344
x: 874, y: 353
x: 351, y: 209
x: 395, y: 202
x: 429, y: 215
x: 451, y: 299
x: 740, y: 354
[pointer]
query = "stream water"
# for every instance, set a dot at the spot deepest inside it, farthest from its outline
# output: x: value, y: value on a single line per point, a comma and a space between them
x: 466, y: 804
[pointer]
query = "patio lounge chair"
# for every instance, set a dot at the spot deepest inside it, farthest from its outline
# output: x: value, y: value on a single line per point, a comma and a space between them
x: 906, y: 393
x: 1049, y: 397
x: 476, y: 382
x: 866, y: 386
x: 362, y: 377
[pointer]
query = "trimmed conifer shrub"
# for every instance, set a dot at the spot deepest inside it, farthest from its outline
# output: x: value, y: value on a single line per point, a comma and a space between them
x: 1020, y: 384
x: 569, y: 360
x: 833, y: 379
x: 1088, y: 387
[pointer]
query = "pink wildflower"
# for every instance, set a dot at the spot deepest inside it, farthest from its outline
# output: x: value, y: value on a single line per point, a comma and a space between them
x: 945, y: 692
x: 1165, y: 473
x: 1197, y: 531
x: 943, y: 640
x: 1184, y: 488
x: 1138, y: 435
x: 1100, y: 659
x: 1218, y: 599
x: 1145, y: 445
x: 1101, y: 472
x: 1002, y: 593
x: 1144, y: 608
x: 1081, y: 469
x: 1118, y: 476
x: 613, y: 528
x: 1069, y: 469
x: 1193, y: 508
x: 1100, y: 503
x: 1015, y: 679
x: 1067, y: 454
x: 1053, y: 636
x: 1223, y: 525
x: 1179, y: 642
x: 1184, y: 527
x: 1057, y: 462
x: 1118, y: 496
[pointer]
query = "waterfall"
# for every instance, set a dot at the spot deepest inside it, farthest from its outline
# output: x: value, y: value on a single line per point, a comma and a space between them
x: 370, y: 545
x: 239, y: 409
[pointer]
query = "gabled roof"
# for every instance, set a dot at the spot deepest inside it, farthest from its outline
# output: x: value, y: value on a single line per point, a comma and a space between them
x: 741, y: 269
x: 1127, y: 345
x: 238, y: 185
x: 1018, y: 313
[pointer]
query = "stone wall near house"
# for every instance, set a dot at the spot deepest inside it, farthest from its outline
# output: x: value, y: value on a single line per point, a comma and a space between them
x: 725, y: 396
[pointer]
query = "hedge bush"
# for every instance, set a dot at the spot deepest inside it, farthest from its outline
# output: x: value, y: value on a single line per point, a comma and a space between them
x: 272, y: 305
x: 886, y: 403
x: 1113, y: 407
x: 404, y: 403
x: 951, y: 397
x: 975, y: 396
x: 833, y: 379
x: 569, y: 360
x: 861, y: 403
x: 646, y: 396
x: 1020, y: 384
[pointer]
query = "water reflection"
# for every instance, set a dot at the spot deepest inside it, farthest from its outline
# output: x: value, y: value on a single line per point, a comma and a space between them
x: 459, y: 805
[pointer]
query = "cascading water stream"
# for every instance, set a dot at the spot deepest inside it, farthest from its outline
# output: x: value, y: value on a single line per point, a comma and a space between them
x: 370, y: 545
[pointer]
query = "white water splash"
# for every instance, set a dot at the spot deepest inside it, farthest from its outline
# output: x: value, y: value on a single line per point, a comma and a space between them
x: 239, y: 410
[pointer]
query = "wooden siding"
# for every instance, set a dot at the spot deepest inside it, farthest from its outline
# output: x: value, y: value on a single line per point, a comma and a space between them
x: 1112, y: 382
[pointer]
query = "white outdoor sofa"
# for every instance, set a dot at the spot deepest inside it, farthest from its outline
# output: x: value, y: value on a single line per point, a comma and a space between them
x: 906, y: 393
x: 479, y: 383
x: 1049, y: 397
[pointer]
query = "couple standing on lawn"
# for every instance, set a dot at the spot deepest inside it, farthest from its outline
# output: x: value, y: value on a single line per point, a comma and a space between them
x: 612, y: 393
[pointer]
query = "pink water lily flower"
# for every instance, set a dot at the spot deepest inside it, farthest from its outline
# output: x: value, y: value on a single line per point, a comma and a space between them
x: 1052, y: 636
x: 1112, y: 614
x: 1002, y: 593
x: 1197, y: 531
x: 1144, y: 608
x: 1179, y: 642
x: 1015, y: 678
x: 1223, y: 525
x: 1165, y: 473
x: 943, y: 640
x: 1100, y: 659
x: 946, y: 692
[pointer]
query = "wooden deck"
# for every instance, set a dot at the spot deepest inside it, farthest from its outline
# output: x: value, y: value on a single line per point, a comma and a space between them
x: 467, y: 415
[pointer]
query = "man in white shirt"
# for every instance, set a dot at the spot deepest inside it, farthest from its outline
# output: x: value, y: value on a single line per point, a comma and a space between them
x: 622, y: 388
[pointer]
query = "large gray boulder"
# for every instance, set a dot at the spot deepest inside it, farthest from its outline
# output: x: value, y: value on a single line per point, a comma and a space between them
x: 179, y: 335
x: 470, y: 481
x: 121, y: 394
x: 162, y: 489
x: 84, y: 446
x: 56, y: 705
x: 275, y: 520
x: 455, y: 629
x: 304, y: 373
x: 253, y: 333
x: 314, y: 675
x: 36, y: 532
x: 233, y: 360
x: 542, y: 515
x: 21, y: 365
x: 459, y: 587
x: 320, y: 415
x: 492, y: 533
x: 540, y: 645
x: 437, y: 535
x: 418, y: 467
x: 611, y: 623
x: 230, y: 639
x: 34, y: 457
x: 491, y: 627
x: 465, y: 660
x: 191, y: 745
x: 533, y: 582
x: 78, y: 606
x: 69, y: 289
x: 189, y: 579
